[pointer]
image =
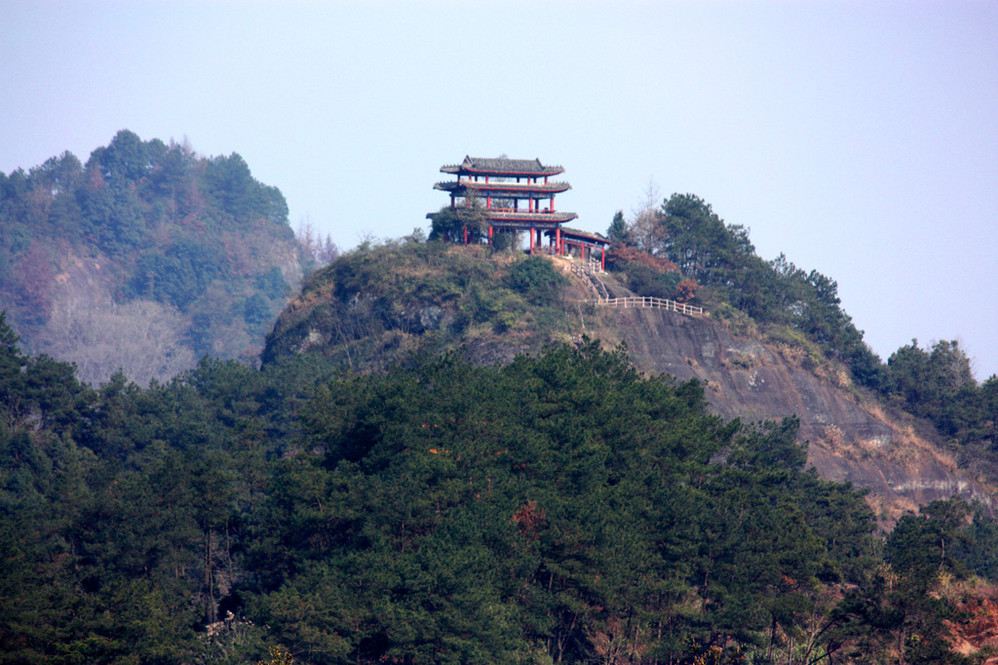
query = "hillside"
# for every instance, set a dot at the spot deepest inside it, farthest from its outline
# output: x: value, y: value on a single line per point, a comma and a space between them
x: 553, y: 507
x: 558, y: 508
x: 378, y: 305
x: 456, y: 455
x: 143, y: 259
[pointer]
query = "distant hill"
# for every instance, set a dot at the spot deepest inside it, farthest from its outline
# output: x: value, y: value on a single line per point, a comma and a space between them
x: 144, y: 259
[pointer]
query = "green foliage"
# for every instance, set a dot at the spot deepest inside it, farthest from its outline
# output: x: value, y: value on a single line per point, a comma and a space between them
x: 618, y: 233
x: 687, y: 232
x: 923, y: 546
x: 180, y: 276
x: 536, y: 279
x: 142, y: 220
x: 460, y: 224
x: 646, y: 275
x: 574, y: 494
x: 936, y: 383
x: 271, y: 284
x: 977, y: 549
x: 646, y: 281
x: 558, y: 508
x: 239, y: 196
x: 379, y: 303
x: 438, y: 512
x: 124, y: 160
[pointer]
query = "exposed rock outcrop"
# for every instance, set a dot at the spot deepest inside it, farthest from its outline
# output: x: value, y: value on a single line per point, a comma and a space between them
x: 850, y: 437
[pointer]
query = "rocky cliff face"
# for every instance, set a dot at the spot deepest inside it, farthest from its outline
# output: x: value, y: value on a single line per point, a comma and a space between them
x: 850, y: 437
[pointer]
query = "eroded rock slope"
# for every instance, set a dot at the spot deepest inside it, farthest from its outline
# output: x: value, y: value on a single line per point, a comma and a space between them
x: 850, y: 437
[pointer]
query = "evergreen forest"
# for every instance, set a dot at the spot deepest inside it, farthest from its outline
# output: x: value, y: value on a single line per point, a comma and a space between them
x: 559, y: 508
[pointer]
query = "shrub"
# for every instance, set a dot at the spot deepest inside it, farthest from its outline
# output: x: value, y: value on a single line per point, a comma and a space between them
x: 536, y: 279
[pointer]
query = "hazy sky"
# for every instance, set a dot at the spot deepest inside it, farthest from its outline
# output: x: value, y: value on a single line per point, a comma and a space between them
x: 858, y: 138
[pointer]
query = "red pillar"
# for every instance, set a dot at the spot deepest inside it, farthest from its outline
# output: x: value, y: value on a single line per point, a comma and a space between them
x: 557, y: 240
x: 531, y: 240
x: 466, y: 235
x: 552, y: 203
x: 602, y: 259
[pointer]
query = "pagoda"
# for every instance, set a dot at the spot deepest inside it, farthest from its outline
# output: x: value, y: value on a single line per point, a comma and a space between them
x: 518, y: 195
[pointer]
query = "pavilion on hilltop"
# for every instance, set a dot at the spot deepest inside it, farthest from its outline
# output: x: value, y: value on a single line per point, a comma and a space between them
x: 518, y: 195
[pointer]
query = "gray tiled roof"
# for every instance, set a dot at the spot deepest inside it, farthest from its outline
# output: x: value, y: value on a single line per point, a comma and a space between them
x: 589, y: 235
x: 502, y: 165
x: 510, y: 189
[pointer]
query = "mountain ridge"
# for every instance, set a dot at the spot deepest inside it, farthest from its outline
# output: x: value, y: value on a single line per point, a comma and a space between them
x: 851, y: 436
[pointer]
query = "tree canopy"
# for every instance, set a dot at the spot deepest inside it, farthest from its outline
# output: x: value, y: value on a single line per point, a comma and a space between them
x: 687, y: 233
x: 561, y: 508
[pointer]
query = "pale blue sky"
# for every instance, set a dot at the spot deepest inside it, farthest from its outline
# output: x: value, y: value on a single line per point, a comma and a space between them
x: 859, y: 138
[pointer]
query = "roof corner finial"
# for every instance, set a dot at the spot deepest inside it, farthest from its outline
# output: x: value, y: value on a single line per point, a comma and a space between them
x: 503, y: 156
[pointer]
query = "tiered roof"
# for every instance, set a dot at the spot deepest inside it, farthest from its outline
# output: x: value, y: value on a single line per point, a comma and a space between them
x: 502, y: 166
x: 525, y: 219
x: 500, y: 189
x: 512, y: 181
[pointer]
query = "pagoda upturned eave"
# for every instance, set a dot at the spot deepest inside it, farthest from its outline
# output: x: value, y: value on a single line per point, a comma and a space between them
x: 522, y: 168
x: 503, y: 188
x: 539, y: 219
x: 511, y: 218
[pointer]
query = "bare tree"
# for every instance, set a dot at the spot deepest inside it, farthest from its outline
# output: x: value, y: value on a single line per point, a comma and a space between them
x: 143, y: 339
x: 321, y: 250
x: 645, y: 216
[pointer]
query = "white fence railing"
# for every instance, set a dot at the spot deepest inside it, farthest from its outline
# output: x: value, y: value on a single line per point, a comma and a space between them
x: 638, y: 302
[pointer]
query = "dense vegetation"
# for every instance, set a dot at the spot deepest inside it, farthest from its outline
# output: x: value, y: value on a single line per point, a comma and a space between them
x: 379, y: 302
x: 687, y: 234
x: 555, y: 509
x: 684, y: 238
x: 937, y: 384
x: 168, y: 254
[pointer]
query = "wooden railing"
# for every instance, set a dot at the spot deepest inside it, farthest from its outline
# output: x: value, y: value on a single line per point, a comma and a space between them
x: 645, y: 302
